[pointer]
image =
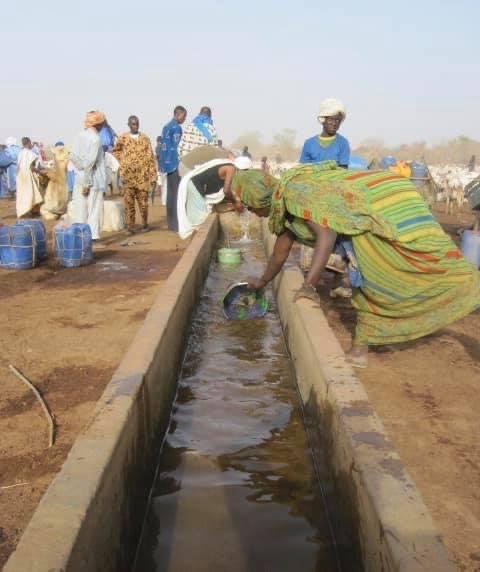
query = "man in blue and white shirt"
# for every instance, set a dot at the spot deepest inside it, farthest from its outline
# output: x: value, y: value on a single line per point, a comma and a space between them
x: 169, y: 161
x: 199, y: 133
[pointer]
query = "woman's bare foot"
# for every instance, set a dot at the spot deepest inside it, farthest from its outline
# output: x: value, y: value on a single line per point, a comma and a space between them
x: 341, y: 292
x: 358, y: 356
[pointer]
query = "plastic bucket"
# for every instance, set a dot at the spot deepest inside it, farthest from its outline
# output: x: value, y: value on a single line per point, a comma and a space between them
x: 73, y: 245
x: 471, y: 247
x: 229, y: 256
x: 357, y: 163
x: 419, y: 176
x: 18, y: 249
x: 40, y: 235
x: 388, y: 161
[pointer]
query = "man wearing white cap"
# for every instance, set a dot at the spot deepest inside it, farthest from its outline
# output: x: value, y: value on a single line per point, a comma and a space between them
x: 329, y: 145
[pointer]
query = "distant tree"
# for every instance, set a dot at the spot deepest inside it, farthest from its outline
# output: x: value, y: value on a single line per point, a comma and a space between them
x: 252, y: 140
x: 454, y: 151
x: 463, y: 140
x: 373, y: 142
x: 284, y: 144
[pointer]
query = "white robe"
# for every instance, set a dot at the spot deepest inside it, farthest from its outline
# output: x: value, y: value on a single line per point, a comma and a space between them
x: 89, y: 159
x: 88, y: 210
x: 28, y: 191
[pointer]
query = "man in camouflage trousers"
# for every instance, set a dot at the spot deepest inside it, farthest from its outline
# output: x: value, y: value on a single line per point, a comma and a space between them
x: 138, y: 170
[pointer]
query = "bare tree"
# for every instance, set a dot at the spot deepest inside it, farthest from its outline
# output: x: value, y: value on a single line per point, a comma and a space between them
x: 284, y: 144
x: 458, y: 150
x: 252, y: 140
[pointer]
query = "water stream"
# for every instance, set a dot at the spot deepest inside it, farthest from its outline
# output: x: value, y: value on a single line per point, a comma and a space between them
x: 236, y: 489
x: 244, y: 225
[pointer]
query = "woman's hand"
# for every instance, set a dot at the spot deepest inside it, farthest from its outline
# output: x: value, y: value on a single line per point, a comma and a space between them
x: 256, y: 283
x: 86, y: 191
x: 307, y: 291
x: 238, y: 206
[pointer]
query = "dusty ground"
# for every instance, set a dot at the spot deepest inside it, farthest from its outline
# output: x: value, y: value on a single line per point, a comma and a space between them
x: 66, y: 330
x: 427, y: 395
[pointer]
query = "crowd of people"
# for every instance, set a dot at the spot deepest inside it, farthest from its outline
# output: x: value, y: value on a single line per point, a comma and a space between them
x: 408, y: 277
x: 93, y: 161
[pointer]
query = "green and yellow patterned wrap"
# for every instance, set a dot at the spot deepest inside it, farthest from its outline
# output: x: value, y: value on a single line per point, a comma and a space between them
x: 254, y: 188
x: 415, y: 280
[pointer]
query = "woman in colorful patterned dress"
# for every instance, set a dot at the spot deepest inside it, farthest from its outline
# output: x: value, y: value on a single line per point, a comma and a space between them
x: 414, y: 280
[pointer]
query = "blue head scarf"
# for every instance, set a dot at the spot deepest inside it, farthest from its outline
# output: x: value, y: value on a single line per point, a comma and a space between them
x: 201, y: 122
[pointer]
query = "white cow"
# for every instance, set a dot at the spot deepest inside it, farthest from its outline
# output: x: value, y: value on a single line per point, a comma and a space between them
x: 452, y: 180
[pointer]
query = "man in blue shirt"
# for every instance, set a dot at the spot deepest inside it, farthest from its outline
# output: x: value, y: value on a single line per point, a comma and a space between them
x: 169, y: 161
x: 107, y: 137
x: 329, y: 145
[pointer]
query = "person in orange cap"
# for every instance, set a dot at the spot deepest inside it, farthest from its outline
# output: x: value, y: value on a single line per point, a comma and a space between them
x: 91, y: 179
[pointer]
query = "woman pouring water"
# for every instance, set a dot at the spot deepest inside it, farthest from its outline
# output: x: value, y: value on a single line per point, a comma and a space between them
x: 205, y: 186
x: 413, y: 279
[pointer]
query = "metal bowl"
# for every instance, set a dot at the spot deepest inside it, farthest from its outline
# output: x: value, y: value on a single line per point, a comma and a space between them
x: 243, y: 303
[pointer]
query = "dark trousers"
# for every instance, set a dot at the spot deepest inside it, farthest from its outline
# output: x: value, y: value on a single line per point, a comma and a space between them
x: 173, y: 180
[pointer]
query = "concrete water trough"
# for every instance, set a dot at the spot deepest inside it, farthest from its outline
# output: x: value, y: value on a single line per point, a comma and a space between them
x: 91, y: 517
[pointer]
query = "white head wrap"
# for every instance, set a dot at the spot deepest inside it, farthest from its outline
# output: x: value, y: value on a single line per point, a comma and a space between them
x: 330, y: 107
x: 243, y: 163
x: 10, y: 141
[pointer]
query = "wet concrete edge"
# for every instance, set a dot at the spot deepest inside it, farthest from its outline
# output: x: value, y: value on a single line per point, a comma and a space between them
x: 90, y: 517
x: 377, y: 503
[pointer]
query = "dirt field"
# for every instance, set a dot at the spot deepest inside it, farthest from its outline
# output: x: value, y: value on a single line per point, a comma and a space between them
x: 66, y: 330
x: 427, y: 395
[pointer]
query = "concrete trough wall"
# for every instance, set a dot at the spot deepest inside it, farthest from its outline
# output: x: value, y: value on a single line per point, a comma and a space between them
x: 90, y: 518
x: 376, y: 501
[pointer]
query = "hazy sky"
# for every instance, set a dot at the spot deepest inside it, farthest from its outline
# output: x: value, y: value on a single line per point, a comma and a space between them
x: 406, y: 71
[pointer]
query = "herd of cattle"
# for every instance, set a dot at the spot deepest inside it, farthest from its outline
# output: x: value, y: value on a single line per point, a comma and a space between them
x: 450, y: 182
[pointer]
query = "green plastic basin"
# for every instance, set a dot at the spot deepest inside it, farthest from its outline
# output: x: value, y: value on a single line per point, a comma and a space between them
x: 229, y: 256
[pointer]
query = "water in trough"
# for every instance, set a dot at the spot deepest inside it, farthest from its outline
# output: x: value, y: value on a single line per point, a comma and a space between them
x: 236, y: 488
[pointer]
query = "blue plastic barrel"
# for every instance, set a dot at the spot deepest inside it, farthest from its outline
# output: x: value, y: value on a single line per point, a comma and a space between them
x: 73, y: 245
x: 419, y: 174
x: 18, y: 249
x: 40, y: 235
x: 387, y: 161
x: 357, y: 163
x: 471, y: 246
